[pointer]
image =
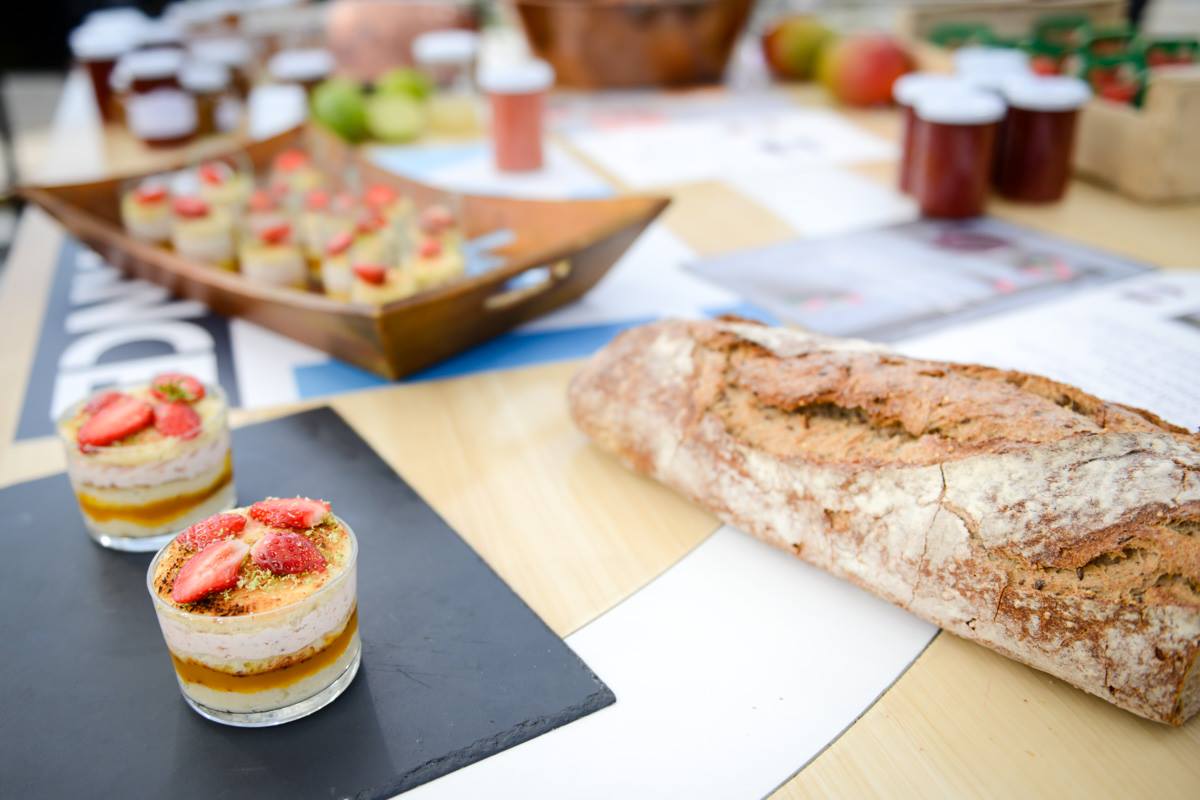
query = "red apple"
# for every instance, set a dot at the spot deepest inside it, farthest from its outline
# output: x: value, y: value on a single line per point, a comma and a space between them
x: 791, y: 45
x: 860, y: 70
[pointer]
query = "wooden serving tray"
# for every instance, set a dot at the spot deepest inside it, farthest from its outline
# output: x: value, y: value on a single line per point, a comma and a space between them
x: 577, y: 241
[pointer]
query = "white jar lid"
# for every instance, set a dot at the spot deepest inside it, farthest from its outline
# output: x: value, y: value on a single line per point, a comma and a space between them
x: 121, y: 15
x: 152, y: 64
x: 908, y: 88
x: 445, y: 47
x: 1046, y: 93
x: 518, y: 77
x: 301, y: 65
x: 160, y: 32
x: 204, y: 77
x: 959, y: 107
x: 227, y: 50
x: 103, y: 41
x: 981, y: 60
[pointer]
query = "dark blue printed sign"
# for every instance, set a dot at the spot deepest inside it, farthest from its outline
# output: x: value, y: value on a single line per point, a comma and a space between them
x: 102, y: 328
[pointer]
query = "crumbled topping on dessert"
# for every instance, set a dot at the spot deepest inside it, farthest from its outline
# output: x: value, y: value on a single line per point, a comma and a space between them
x: 161, y: 410
x: 278, y: 565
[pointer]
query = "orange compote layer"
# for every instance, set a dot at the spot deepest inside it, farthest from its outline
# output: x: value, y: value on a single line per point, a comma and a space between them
x: 191, y: 672
x: 159, y: 511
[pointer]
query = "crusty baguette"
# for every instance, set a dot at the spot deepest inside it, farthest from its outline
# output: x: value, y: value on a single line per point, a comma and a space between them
x: 1056, y: 528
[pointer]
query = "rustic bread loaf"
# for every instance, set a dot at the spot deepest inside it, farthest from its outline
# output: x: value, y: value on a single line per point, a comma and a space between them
x: 1056, y: 528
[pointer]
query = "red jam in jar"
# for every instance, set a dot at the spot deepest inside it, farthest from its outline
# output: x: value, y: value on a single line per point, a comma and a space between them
x: 905, y: 91
x: 1033, y: 158
x: 954, y: 141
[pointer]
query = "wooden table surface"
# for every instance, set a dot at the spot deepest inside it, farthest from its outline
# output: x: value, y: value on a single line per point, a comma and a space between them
x: 573, y: 533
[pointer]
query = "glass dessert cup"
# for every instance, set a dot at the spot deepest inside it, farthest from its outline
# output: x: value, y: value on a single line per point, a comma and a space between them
x: 270, y: 667
x: 135, y: 497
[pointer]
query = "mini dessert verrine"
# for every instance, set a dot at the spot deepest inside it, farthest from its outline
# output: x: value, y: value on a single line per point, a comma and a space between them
x: 435, y: 263
x: 337, y: 272
x: 376, y: 284
x: 202, y: 232
x: 149, y: 460
x: 271, y: 256
x: 146, y: 212
x: 258, y: 608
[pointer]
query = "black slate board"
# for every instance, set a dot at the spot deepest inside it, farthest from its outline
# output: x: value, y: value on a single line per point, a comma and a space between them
x: 455, y: 666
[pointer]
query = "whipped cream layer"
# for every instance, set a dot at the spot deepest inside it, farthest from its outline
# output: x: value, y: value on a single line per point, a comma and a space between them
x: 239, y: 644
x: 170, y: 459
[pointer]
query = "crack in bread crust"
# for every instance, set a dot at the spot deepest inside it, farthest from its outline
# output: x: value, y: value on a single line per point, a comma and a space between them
x: 1032, y: 517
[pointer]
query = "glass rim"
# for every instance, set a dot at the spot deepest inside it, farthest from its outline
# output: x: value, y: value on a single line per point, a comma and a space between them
x: 214, y: 390
x: 168, y: 608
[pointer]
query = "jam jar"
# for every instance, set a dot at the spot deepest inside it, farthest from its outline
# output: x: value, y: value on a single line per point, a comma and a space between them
x: 158, y: 110
x: 955, y: 139
x: 905, y: 92
x: 1033, y: 156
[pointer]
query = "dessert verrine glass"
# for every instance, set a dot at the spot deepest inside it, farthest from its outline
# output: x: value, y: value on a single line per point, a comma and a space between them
x: 262, y: 629
x: 143, y: 466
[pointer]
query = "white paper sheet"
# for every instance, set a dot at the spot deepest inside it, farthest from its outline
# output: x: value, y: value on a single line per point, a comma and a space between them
x: 682, y: 151
x: 469, y: 168
x: 731, y: 671
x: 1136, y: 341
x: 823, y: 200
x: 647, y: 282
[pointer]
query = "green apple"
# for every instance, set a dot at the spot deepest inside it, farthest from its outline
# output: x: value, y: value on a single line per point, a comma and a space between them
x: 395, y: 117
x: 791, y: 46
x: 339, y: 104
x: 404, y: 81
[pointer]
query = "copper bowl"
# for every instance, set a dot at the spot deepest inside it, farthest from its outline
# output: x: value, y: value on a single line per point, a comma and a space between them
x: 620, y: 43
x: 369, y: 37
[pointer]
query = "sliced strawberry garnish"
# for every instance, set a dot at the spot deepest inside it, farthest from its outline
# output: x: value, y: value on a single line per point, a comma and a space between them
x: 370, y: 223
x: 317, y: 200
x: 380, y: 196
x: 121, y: 417
x: 190, y: 207
x: 276, y: 234
x: 371, y: 273
x: 430, y: 248
x: 261, y: 201
x: 172, y: 386
x: 101, y: 401
x: 177, y: 419
x: 150, y: 195
x: 436, y: 219
x: 213, y: 569
x: 339, y: 244
x: 291, y: 160
x: 213, y: 529
x: 289, y: 512
x: 286, y: 553
x: 214, y: 173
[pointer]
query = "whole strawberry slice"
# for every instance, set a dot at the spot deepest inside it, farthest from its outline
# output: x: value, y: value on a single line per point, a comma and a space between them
x: 289, y: 512
x: 121, y: 417
x: 177, y: 419
x: 213, y: 569
x: 375, y: 274
x: 213, y: 529
x: 172, y: 386
x: 286, y: 553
